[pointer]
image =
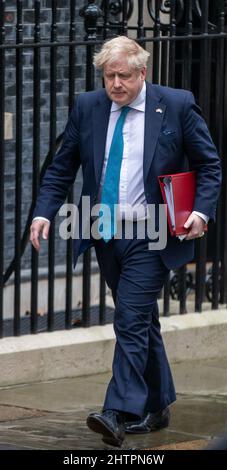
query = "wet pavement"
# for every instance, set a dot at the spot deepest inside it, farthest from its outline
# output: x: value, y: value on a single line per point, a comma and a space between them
x: 52, y: 415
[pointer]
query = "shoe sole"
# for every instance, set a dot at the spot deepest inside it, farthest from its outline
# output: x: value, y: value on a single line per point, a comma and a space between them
x: 165, y: 424
x: 99, y: 427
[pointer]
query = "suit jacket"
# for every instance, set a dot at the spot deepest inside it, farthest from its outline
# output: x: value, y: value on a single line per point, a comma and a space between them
x: 175, y: 140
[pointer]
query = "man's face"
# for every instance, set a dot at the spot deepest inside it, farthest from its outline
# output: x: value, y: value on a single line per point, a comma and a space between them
x: 123, y: 83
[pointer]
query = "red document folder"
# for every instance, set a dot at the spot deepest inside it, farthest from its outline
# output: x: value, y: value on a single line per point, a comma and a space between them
x: 178, y: 192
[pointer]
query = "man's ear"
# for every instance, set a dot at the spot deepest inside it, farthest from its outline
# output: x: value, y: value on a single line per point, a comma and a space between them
x: 143, y: 73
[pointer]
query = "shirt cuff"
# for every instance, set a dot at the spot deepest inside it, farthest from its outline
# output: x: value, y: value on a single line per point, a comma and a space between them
x: 41, y: 218
x: 203, y: 216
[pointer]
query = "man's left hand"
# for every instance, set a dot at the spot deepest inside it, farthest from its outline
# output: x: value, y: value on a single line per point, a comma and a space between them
x: 196, y: 225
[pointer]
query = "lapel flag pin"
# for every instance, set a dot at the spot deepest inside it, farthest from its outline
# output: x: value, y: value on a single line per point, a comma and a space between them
x: 159, y: 110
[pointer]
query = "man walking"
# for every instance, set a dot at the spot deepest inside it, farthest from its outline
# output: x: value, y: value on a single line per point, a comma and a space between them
x: 125, y: 136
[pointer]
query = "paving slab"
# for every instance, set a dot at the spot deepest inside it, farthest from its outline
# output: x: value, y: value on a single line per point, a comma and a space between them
x: 16, y: 412
x: 192, y: 420
x: 52, y: 415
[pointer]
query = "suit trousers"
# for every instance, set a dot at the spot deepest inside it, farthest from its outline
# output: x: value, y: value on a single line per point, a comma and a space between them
x: 141, y: 377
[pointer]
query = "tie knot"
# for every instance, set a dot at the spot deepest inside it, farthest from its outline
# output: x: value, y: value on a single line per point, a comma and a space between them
x: 125, y: 110
x: 122, y: 117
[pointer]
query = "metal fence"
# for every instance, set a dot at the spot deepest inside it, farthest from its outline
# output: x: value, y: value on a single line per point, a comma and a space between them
x: 188, y: 44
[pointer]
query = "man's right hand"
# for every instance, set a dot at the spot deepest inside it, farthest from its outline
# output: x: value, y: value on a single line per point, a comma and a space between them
x: 39, y: 227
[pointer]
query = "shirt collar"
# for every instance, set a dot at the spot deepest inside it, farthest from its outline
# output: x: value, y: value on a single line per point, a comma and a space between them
x: 138, y: 103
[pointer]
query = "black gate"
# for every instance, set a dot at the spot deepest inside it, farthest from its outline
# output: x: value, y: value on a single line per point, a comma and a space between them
x: 46, y: 50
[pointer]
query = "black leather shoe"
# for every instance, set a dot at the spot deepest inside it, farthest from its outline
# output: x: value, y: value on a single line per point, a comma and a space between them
x: 110, y: 424
x: 149, y: 422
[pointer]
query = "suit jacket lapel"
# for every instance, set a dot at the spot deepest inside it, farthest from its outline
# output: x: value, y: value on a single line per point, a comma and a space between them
x: 154, y: 113
x: 101, y: 114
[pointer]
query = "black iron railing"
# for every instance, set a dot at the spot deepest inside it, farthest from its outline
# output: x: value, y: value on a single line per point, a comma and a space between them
x: 188, y: 45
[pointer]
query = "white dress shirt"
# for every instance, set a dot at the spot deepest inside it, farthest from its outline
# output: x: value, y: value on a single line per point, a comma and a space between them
x: 131, y: 187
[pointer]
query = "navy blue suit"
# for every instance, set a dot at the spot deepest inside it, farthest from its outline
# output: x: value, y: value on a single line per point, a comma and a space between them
x: 176, y: 139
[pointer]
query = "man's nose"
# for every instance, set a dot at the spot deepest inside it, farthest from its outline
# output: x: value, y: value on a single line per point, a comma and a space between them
x: 117, y: 82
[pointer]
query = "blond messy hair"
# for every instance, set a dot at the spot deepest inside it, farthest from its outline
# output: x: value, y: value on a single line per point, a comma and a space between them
x: 114, y: 48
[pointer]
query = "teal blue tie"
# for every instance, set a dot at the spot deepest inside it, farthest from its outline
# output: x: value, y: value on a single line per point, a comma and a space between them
x: 110, y: 190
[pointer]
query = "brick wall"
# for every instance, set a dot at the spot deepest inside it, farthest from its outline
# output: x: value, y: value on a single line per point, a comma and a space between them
x: 27, y: 118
